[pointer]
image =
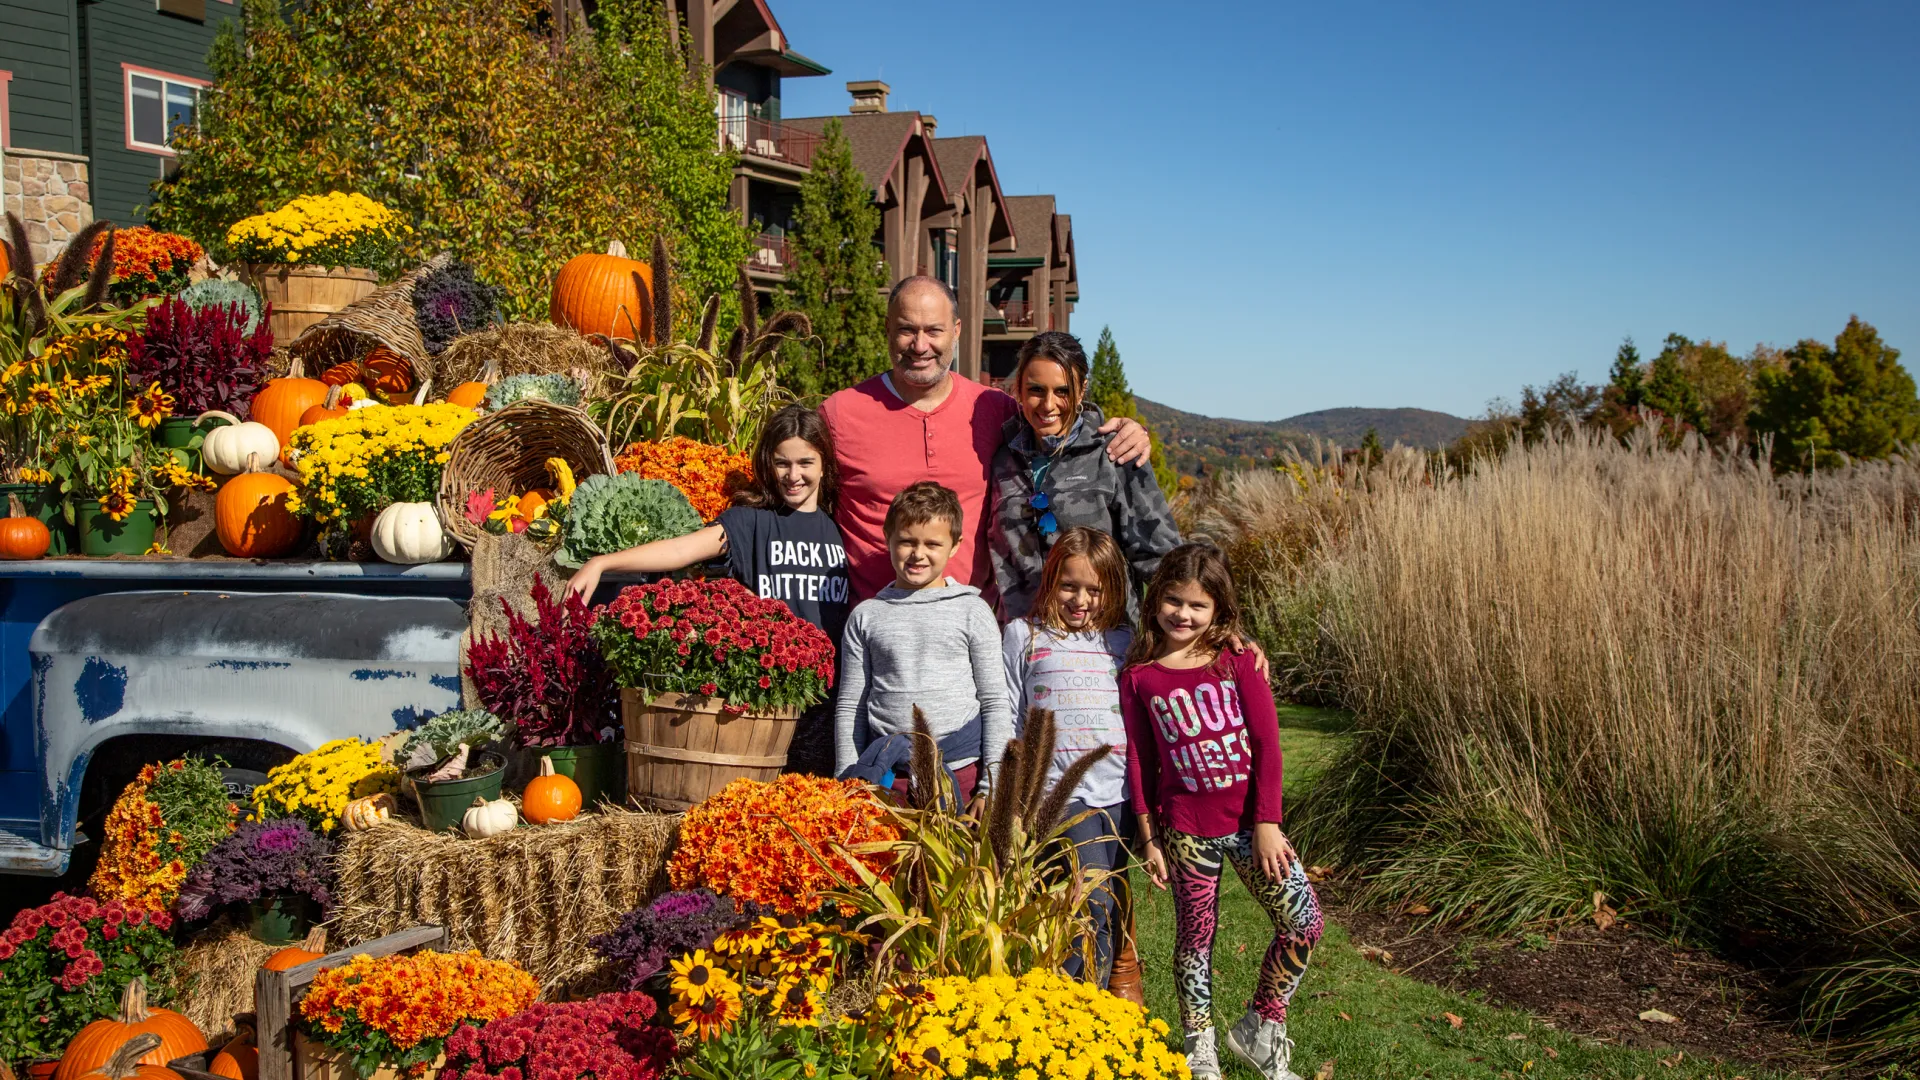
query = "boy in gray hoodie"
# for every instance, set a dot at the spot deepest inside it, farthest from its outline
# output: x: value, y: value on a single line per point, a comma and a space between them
x: 922, y: 641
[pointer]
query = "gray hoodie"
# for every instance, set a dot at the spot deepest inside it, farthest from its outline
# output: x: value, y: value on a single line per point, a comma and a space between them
x: 936, y: 648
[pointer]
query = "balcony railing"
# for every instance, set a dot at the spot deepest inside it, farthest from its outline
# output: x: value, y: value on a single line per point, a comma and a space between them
x: 769, y: 254
x: 1018, y: 313
x: 769, y: 139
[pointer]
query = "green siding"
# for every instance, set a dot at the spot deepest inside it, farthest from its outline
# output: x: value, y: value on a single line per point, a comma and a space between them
x: 132, y: 32
x: 38, y: 44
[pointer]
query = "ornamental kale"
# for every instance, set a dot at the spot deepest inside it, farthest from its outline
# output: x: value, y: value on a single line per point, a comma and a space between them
x: 441, y: 736
x: 607, y: 1037
x: 546, y: 678
x: 559, y: 389
x: 206, y: 358
x: 65, y: 964
x: 450, y: 302
x: 613, y: 513
x: 677, y: 922
x: 219, y: 292
x: 717, y: 639
x: 260, y: 859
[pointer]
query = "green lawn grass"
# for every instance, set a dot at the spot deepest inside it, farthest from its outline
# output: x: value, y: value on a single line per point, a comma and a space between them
x: 1393, y: 1027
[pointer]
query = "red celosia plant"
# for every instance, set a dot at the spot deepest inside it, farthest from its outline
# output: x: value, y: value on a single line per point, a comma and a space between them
x: 205, y: 358
x: 546, y: 678
x: 607, y: 1037
x: 65, y: 963
x: 764, y: 842
x: 715, y: 638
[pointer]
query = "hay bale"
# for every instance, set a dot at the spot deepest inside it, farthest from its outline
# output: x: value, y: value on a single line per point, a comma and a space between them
x: 524, y: 349
x: 215, y: 977
x: 533, y: 895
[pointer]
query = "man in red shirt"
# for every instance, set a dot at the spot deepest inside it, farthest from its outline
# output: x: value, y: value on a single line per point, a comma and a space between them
x: 920, y: 421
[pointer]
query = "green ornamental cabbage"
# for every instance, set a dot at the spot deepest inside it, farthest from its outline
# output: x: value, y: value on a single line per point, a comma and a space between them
x: 442, y: 735
x: 216, y: 292
x: 613, y: 513
x: 559, y: 389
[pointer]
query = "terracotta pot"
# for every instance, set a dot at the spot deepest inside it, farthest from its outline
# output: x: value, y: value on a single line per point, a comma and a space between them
x: 302, y: 295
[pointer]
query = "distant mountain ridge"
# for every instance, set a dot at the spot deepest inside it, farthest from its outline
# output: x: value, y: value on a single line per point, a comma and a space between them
x: 1205, y: 443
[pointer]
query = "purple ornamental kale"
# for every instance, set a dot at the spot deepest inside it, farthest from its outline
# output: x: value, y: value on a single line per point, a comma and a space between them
x: 259, y: 859
x: 675, y: 923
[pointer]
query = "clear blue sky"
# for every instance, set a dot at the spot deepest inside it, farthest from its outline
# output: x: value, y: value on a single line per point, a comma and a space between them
x: 1282, y: 206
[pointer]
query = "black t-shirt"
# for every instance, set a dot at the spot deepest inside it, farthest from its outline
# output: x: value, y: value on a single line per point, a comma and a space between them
x: 791, y: 556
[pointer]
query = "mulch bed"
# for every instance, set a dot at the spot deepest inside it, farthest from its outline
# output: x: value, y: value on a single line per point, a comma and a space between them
x: 1597, y: 983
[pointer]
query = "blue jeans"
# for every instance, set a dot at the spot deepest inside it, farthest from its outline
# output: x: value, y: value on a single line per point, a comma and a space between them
x: 1101, y: 848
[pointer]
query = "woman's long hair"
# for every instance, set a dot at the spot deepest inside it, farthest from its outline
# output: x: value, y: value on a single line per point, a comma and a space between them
x: 1203, y: 565
x: 792, y: 422
x: 1062, y: 348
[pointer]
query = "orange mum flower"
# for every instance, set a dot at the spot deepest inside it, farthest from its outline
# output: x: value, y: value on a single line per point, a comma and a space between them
x: 707, y: 475
x: 752, y: 840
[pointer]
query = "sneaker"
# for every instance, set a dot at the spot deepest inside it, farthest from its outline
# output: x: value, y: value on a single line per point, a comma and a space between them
x: 1203, y: 1059
x: 1262, y: 1044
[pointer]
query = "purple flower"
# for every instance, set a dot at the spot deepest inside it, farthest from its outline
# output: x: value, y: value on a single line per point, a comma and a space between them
x: 677, y: 922
x: 260, y: 859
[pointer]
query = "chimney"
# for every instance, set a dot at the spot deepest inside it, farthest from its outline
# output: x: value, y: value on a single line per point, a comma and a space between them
x: 869, y: 96
x: 930, y: 124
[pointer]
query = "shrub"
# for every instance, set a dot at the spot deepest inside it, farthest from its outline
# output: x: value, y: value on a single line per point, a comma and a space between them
x: 204, y: 357
x: 715, y: 638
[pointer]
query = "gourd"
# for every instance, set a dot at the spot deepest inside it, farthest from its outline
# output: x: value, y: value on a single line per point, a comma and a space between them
x: 363, y: 814
x: 485, y: 818
x: 21, y: 536
x: 239, y: 1059
x: 550, y: 796
x: 96, y: 1044
x: 342, y: 373
x: 599, y: 294
x: 279, y: 404
x: 336, y: 406
x: 250, y: 514
x: 313, y: 948
x: 128, y: 1062
x: 388, y: 374
x: 472, y: 394
x: 409, y: 533
x: 225, y: 450
x: 532, y: 501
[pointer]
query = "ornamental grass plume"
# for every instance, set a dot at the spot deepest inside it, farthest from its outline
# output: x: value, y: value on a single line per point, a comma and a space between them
x: 261, y: 859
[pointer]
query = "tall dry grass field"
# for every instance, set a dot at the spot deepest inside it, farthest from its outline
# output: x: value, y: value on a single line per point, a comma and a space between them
x: 1663, y: 675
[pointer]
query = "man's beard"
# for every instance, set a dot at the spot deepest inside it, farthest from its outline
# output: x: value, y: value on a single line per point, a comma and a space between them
x: 927, y: 378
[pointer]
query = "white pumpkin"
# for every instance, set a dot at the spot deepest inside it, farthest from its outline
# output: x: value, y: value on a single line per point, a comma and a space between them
x: 489, y: 818
x: 226, y: 449
x: 409, y: 533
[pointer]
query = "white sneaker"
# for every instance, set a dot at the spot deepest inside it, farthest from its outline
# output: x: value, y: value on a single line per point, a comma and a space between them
x: 1203, y: 1058
x: 1263, y: 1045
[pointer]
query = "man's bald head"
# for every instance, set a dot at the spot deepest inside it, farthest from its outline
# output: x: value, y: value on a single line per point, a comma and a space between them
x: 915, y: 282
x: 923, y: 328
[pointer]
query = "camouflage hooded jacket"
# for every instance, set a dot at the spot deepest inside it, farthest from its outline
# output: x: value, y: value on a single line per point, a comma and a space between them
x: 1083, y: 487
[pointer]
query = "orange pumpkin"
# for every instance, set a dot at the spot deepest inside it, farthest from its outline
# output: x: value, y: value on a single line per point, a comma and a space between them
x: 469, y: 394
x: 313, y: 948
x: 532, y: 501
x: 341, y: 374
x: 550, y: 796
x: 596, y: 294
x: 97, y: 1044
x: 281, y: 402
x: 334, y: 407
x: 250, y: 514
x: 239, y: 1059
x: 389, y: 375
x: 22, y: 537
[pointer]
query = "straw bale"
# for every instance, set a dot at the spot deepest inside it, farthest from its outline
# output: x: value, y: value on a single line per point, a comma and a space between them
x: 524, y: 348
x: 533, y: 895
x: 216, y: 973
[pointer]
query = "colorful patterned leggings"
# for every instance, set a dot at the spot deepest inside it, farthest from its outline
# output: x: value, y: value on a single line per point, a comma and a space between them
x: 1197, y: 864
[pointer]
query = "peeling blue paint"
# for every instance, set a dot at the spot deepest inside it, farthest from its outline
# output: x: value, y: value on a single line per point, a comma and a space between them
x: 249, y: 665
x: 406, y: 718
x: 449, y: 683
x: 100, y: 690
x: 370, y: 674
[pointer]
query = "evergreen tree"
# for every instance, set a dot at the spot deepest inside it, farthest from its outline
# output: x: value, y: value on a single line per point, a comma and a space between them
x: 834, y: 275
x: 1626, y: 380
x: 1668, y: 387
x: 1853, y: 399
x: 1107, y: 388
x: 1370, y: 449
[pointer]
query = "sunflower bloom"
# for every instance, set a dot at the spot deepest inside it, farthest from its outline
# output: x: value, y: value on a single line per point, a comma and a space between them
x: 117, y: 505
x: 696, y: 978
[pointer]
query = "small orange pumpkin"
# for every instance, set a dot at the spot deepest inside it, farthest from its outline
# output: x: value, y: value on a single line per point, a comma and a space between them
x: 596, y: 294
x: 250, y: 514
x: 99, y: 1043
x: 280, y: 404
x: 239, y: 1059
x: 313, y: 948
x: 341, y: 374
x: 550, y: 796
x: 334, y: 407
x: 532, y: 501
x: 388, y: 374
x: 474, y: 394
x: 22, y: 537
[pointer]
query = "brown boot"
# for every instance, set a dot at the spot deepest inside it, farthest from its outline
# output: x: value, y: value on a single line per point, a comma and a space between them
x: 1124, y: 981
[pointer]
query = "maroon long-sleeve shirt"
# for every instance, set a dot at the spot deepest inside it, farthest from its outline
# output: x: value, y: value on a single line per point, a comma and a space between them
x: 1203, y: 748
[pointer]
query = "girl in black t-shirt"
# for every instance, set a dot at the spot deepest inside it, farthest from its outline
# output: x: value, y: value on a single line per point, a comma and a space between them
x: 779, y: 540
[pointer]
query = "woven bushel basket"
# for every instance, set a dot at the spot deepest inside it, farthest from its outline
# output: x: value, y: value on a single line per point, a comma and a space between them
x: 383, y: 317
x: 507, y: 451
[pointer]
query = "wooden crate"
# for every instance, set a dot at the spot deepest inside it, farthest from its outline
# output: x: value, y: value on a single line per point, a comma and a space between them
x: 283, y: 1054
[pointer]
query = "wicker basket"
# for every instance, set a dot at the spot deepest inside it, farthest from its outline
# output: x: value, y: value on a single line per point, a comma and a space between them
x: 507, y: 452
x: 385, y: 317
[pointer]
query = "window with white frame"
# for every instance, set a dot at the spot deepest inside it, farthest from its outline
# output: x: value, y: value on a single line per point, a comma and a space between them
x: 732, y: 109
x: 156, y: 104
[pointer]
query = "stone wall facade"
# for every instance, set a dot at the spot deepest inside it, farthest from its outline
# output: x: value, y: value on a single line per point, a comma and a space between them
x: 51, y: 195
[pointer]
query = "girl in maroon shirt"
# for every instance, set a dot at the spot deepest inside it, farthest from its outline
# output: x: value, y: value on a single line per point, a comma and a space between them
x: 1203, y: 770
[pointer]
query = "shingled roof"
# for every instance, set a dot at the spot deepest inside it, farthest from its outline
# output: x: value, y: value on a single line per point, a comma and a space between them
x: 1033, y: 224
x: 877, y: 141
x: 958, y: 158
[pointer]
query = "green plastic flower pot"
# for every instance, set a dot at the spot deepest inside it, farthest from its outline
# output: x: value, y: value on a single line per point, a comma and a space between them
x: 443, y: 804
x: 281, y: 919
x: 599, y: 771
x: 101, y: 535
x: 43, y: 502
x: 175, y: 432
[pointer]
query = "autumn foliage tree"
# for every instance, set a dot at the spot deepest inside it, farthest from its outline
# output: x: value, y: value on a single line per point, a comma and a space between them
x: 495, y: 137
